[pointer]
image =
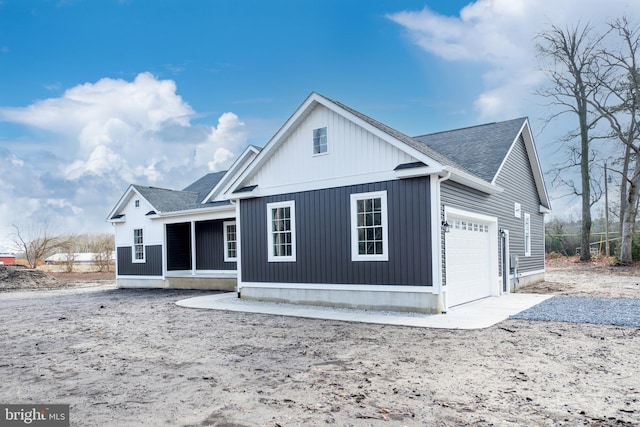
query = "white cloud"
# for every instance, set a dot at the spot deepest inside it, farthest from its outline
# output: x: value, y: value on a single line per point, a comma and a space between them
x: 499, y: 34
x: 217, y: 151
x: 99, y: 137
x: 497, y: 38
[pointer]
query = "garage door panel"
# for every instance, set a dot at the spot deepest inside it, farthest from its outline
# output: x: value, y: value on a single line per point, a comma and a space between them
x: 468, y: 260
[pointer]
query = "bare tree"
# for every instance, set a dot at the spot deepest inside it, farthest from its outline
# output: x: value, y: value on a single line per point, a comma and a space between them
x: 618, y: 100
x: 573, y: 55
x: 37, y: 242
x: 103, y: 246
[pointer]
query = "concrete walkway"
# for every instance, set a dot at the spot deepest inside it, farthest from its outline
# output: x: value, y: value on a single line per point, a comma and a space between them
x: 474, y: 315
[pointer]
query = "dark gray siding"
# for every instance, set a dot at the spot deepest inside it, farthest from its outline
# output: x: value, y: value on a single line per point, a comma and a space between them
x: 516, y: 178
x: 323, y: 237
x: 210, y: 246
x: 178, y: 246
x: 151, y: 267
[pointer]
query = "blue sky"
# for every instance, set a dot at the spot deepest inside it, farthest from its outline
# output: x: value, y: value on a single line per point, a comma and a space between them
x: 95, y: 95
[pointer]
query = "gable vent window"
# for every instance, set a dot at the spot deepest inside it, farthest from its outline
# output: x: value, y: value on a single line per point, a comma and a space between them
x: 320, y: 141
x: 136, y: 203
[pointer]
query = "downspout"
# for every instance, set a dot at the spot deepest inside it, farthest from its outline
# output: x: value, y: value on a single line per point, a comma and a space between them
x: 442, y: 301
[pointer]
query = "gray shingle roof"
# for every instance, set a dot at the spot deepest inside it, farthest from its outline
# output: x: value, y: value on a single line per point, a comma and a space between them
x: 205, y: 184
x: 478, y: 149
x: 165, y: 200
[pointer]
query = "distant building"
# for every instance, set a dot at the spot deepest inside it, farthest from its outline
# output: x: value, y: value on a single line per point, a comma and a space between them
x: 79, y: 258
x: 7, y: 258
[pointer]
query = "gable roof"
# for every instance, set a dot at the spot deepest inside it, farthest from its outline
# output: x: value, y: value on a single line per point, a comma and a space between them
x: 478, y: 149
x: 204, y: 185
x: 165, y: 200
x: 434, y: 162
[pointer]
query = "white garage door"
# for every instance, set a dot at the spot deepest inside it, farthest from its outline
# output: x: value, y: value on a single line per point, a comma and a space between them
x: 468, y: 260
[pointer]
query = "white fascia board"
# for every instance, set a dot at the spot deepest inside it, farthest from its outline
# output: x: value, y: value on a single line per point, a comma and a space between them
x: 198, y: 211
x: 545, y: 210
x: 473, y: 181
x: 231, y: 172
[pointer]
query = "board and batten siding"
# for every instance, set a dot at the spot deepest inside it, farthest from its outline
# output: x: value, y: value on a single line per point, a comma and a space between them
x: 352, y: 151
x: 210, y: 246
x: 151, y: 267
x: 323, y: 237
x: 516, y: 178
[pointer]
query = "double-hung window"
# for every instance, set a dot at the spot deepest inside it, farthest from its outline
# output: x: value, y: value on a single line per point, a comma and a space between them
x: 527, y: 234
x: 138, y: 245
x: 230, y: 241
x: 281, y: 224
x: 369, y: 234
x: 320, y: 141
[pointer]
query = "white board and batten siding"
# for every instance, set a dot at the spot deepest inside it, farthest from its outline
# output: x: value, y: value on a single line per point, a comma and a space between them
x: 135, y: 218
x: 354, y: 156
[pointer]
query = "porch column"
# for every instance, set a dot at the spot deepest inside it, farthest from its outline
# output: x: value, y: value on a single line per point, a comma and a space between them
x: 193, y: 248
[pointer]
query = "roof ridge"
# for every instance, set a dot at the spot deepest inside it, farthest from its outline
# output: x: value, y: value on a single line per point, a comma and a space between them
x: 469, y: 127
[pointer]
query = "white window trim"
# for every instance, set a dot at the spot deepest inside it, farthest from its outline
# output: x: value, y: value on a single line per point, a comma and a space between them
x: 228, y: 258
x: 133, y: 247
x: 355, y: 256
x: 270, y: 206
x: 527, y: 234
x: 327, y: 137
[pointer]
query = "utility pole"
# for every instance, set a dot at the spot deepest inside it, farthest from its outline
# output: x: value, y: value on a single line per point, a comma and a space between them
x: 606, y: 213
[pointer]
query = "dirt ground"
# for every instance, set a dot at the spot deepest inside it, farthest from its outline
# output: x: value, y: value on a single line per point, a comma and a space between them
x: 133, y: 358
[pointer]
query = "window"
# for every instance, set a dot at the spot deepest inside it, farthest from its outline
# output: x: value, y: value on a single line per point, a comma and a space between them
x: 230, y: 241
x: 369, y: 240
x: 136, y: 203
x: 281, y: 223
x: 138, y: 245
x: 527, y: 234
x: 320, y: 141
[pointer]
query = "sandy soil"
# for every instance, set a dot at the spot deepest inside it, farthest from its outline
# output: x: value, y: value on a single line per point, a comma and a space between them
x: 133, y: 358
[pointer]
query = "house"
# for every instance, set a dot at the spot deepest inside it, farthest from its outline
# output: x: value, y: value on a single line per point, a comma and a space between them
x: 178, y: 238
x: 339, y: 209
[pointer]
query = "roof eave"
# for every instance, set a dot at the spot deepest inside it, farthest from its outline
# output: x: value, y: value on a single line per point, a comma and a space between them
x: 194, y: 211
x: 472, y: 181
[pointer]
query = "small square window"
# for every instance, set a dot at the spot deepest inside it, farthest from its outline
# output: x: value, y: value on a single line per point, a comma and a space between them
x: 320, y: 141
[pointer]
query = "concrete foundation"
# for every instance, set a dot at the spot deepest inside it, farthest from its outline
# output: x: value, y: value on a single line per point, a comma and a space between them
x: 204, y: 283
x: 418, y: 302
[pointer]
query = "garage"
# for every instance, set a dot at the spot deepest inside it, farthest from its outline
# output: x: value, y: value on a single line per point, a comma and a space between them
x: 470, y: 258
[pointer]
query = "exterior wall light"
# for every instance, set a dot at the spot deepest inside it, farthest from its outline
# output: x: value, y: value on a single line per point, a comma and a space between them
x: 446, y: 226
